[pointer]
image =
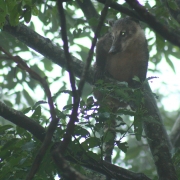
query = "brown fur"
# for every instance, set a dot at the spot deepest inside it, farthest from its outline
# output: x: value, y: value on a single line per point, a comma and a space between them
x: 122, y: 57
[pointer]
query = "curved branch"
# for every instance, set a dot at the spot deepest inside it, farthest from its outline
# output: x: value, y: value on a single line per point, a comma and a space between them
x: 45, y: 47
x: 122, y: 9
x: 99, y: 166
x: 152, y: 21
x: 22, y: 121
x: 63, y: 165
x: 157, y: 137
x: 75, y: 93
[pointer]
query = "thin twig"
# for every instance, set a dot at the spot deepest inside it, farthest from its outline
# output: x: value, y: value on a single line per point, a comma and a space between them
x: 21, y: 120
x: 66, y: 48
x: 76, y: 98
x: 91, y: 51
x: 76, y: 95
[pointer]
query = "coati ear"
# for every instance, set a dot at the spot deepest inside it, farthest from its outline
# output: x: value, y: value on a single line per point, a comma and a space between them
x: 111, y: 22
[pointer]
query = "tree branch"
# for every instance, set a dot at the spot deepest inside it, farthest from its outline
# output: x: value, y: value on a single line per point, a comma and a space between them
x: 45, y: 47
x: 122, y: 9
x: 157, y: 137
x: 99, y: 166
x: 75, y: 93
x: 152, y: 21
x: 38, y: 131
x: 175, y: 133
x: 63, y: 165
x: 91, y: 51
x: 22, y: 121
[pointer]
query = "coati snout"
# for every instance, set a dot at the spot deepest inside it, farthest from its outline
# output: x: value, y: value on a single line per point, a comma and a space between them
x: 123, y: 33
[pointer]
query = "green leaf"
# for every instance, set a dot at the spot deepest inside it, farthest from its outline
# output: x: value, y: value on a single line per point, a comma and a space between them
x: 3, y: 13
x: 126, y: 112
x: 48, y: 66
x: 10, y: 4
x: 15, y: 14
x: 2, y: 20
x: 87, y: 90
x: 35, y: 12
x: 27, y: 15
x: 138, y: 126
x: 37, y: 113
x: 28, y: 146
x: 2, y: 6
x: 77, y: 32
x: 93, y: 155
x: 172, y: 4
x: 18, y: 97
x: 160, y: 43
x: 170, y: 64
x: 79, y: 131
x: 90, y: 100
x: 38, y: 103
x: 91, y: 143
x: 28, y: 97
x: 5, y: 127
x: 10, y: 144
x: 123, y: 146
x: 82, y: 104
x: 108, y: 136
x: 60, y: 114
x: 25, y: 111
x: 135, y: 78
x: 23, y: 133
x: 93, y: 22
x: 68, y: 107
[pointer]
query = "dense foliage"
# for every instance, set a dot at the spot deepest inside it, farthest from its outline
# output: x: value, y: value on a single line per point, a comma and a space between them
x: 52, y: 129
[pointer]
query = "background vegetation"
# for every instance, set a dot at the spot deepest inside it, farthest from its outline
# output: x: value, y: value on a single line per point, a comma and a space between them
x: 46, y: 130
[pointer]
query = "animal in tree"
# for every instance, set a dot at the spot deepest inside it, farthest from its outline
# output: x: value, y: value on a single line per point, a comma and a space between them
x: 121, y: 54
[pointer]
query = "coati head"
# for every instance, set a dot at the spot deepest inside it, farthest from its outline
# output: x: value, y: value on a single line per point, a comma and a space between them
x: 125, y: 32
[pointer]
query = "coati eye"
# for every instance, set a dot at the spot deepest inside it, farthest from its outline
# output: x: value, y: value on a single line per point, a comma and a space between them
x: 122, y: 33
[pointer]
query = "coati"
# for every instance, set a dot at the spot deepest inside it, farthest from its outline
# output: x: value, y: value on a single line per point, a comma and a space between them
x: 123, y: 53
x: 120, y: 55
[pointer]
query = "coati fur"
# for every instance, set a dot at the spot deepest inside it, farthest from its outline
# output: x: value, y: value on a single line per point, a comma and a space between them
x: 120, y: 54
